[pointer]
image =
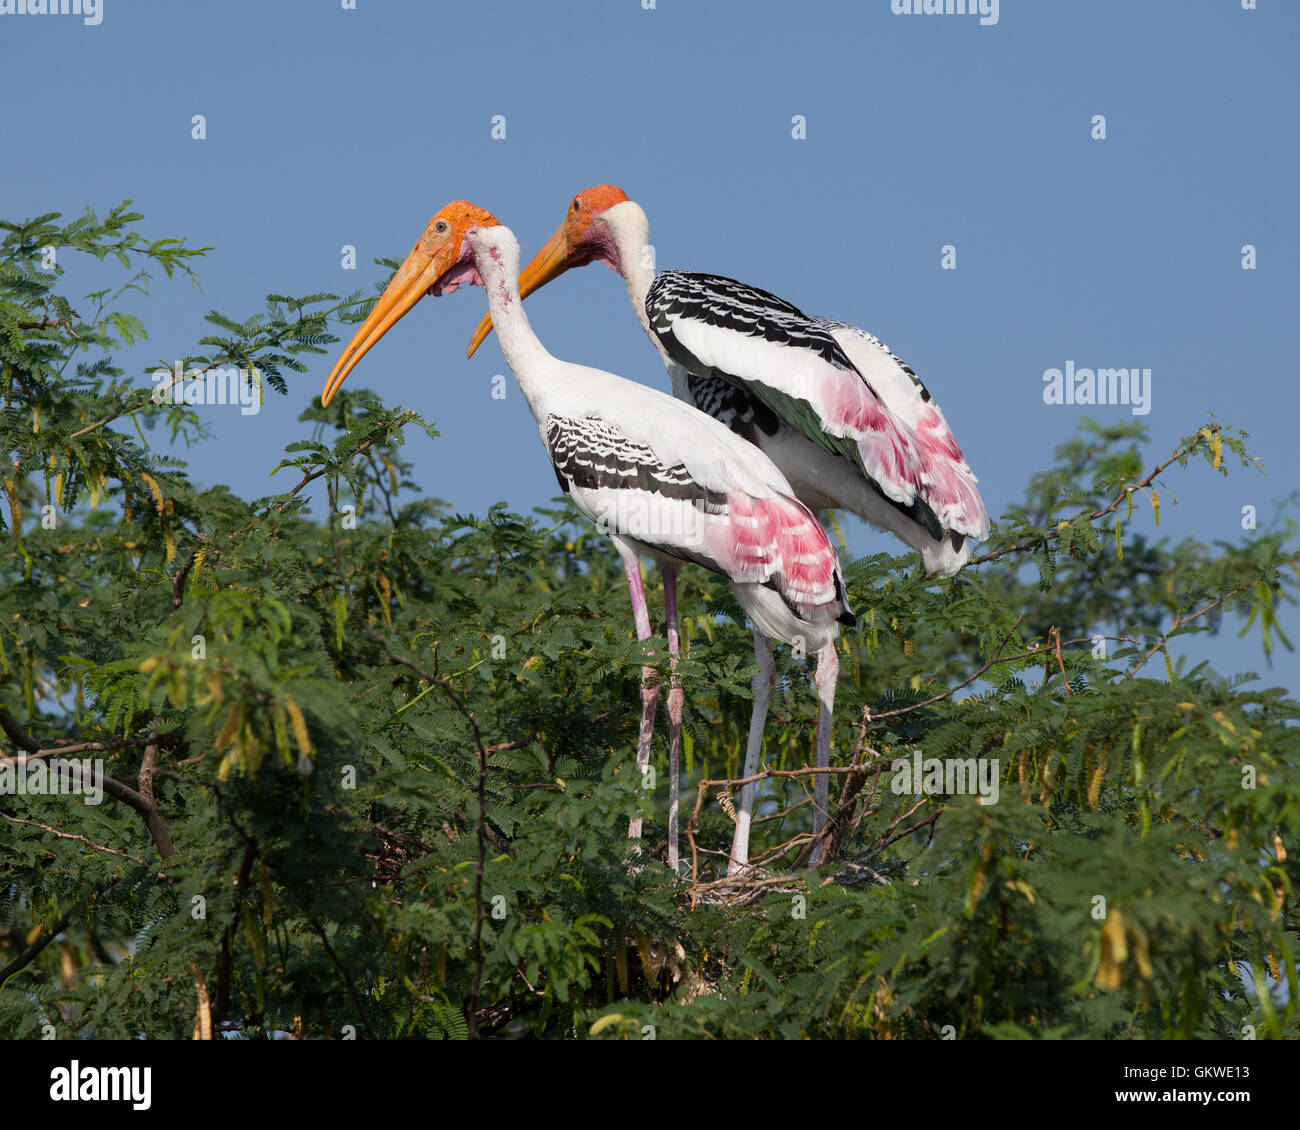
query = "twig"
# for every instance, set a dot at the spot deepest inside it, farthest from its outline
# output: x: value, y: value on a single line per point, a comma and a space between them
x: 997, y: 658
x: 1181, y: 621
x: 129, y: 409
x: 48, y: 323
x: 32, y: 952
x: 178, y: 581
x: 312, y: 476
x: 70, y: 836
x: 357, y: 1000
x: 1050, y: 535
x: 222, y: 1004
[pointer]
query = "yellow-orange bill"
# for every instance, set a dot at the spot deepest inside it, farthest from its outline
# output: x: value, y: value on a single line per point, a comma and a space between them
x: 409, y: 285
x: 549, y: 263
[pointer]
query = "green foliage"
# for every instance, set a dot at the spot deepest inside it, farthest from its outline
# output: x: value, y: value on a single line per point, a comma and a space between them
x: 377, y: 773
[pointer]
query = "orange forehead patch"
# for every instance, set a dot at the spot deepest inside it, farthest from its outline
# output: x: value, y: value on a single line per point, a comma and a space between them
x: 603, y: 196
x: 460, y: 215
x: 600, y: 197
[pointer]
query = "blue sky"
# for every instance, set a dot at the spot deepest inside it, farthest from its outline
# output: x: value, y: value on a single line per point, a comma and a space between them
x: 328, y: 127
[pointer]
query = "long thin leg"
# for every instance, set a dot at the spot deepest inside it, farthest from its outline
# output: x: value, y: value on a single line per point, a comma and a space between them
x: 828, y: 672
x: 762, y: 685
x: 676, y: 696
x: 649, y: 688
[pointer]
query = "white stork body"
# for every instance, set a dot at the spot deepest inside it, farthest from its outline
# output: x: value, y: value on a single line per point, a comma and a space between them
x: 846, y: 421
x: 663, y: 479
x: 849, y: 424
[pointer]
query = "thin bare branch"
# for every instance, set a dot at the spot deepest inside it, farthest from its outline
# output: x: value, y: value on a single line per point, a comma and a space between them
x: 70, y: 836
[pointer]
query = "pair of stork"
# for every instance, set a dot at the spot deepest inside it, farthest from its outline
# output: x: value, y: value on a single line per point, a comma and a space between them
x: 773, y: 413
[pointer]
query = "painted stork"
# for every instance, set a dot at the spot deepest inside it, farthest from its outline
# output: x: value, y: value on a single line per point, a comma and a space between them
x: 661, y: 478
x: 847, y: 422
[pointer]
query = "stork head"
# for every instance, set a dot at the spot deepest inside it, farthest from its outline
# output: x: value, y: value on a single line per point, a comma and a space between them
x: 584, y: 237
x: 441, y: 260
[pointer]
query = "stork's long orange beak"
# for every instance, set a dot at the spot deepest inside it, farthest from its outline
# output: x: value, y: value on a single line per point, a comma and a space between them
x: 412, y: 282
x: 549, y: 263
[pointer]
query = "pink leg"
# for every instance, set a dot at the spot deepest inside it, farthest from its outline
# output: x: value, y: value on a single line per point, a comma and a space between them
x: 676, y: 697
x: 828, y: 670
x: 649, y: 688
x: 762, y: 686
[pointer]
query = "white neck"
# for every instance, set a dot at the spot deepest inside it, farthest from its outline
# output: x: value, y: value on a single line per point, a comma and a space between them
x: 630, y: 230
x: 496, y: 256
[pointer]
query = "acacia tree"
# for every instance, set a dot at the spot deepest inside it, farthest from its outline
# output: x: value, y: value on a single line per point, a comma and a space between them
x: 368, y: 771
